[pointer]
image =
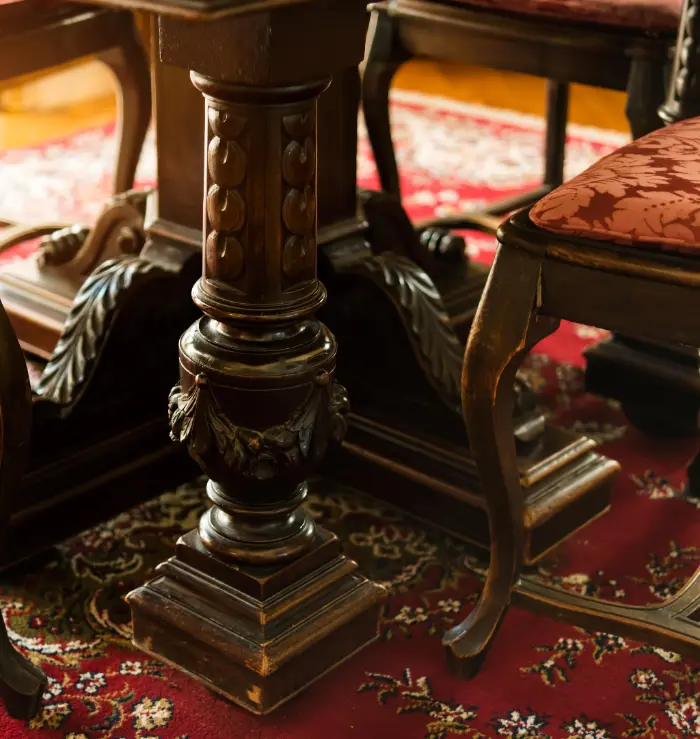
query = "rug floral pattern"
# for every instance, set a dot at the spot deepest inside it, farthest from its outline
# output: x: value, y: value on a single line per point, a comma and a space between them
x: 542, y: 679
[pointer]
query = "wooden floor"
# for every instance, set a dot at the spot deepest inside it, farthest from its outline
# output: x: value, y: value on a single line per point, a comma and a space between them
x: 589, y: 106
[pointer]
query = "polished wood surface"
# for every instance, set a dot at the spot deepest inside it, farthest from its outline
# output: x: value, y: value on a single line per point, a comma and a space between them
x: 624, y: 368
x: 617, y: 59
x: 258, y: 602
x: 37, y: 37
x: 258, y: 404
x: 539, y: 278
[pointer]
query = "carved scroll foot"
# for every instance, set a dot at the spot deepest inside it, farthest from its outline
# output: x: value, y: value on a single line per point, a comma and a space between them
x: 38, y: 292
x: 96, y: 307
x: 119, y: 230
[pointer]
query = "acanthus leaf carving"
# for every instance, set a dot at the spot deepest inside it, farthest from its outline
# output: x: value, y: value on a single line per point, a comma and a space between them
x: 437, y: 347
x: 94, y: 308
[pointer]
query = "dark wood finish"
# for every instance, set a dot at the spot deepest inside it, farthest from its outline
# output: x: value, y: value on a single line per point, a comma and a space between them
x: 402, y: 330
x: 21, y: 683
x: 657, y: 383
x: 100, y: 426
x: 39, y: 291
x: 337, y: 145
x: 561, y: 52
x: 99, y: 438
x: 258, y: 602
x: 111, y: 293
x: 565, y: 483
x: 659, y: 386
x: 537, y: 279
x: 179, y: 125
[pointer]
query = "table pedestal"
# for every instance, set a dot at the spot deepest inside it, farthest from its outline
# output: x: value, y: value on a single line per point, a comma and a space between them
x: 258, y: 602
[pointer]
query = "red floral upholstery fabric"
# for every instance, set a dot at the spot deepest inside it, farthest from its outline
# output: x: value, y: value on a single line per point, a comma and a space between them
x: 656, y: 15
x: 646, y: 193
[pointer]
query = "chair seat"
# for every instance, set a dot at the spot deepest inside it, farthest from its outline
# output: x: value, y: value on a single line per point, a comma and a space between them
x: 647, y: 15
x: 646, y: 194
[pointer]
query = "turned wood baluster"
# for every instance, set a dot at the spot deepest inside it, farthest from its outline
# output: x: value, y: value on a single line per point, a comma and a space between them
x: 258, y: 602
x: 257, y: 402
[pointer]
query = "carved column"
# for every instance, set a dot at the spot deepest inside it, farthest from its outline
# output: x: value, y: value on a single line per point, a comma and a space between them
x: 257, y: 402
x: 258, y: 602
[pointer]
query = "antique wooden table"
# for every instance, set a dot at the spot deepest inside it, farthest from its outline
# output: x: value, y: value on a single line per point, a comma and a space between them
x: 258, y: 602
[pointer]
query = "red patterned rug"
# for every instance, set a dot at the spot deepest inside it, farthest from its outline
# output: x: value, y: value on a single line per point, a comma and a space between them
x: 542, y: 679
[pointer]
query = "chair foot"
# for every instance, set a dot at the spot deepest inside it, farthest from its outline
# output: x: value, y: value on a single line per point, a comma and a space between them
x: 465, y: 667
x: 21, y: 683
x: 384, y: 58
x: 467, y: 644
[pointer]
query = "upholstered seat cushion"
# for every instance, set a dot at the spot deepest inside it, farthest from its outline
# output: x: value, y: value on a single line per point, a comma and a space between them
x: 645, y: 194
x: 652, y: 15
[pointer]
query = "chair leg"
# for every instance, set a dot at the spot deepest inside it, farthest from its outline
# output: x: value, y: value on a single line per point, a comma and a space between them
x: 555, y: 144
x: 384, y: 58
x: 646, y: 91
x: 130, y: 67
x: 505, y: 327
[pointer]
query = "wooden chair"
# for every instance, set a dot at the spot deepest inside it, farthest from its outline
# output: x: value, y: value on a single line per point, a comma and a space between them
x: 615, y: 44
x: 40, y: 34
x: 21, y: 683
x: 37, y: 35
x: 619, y: 248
